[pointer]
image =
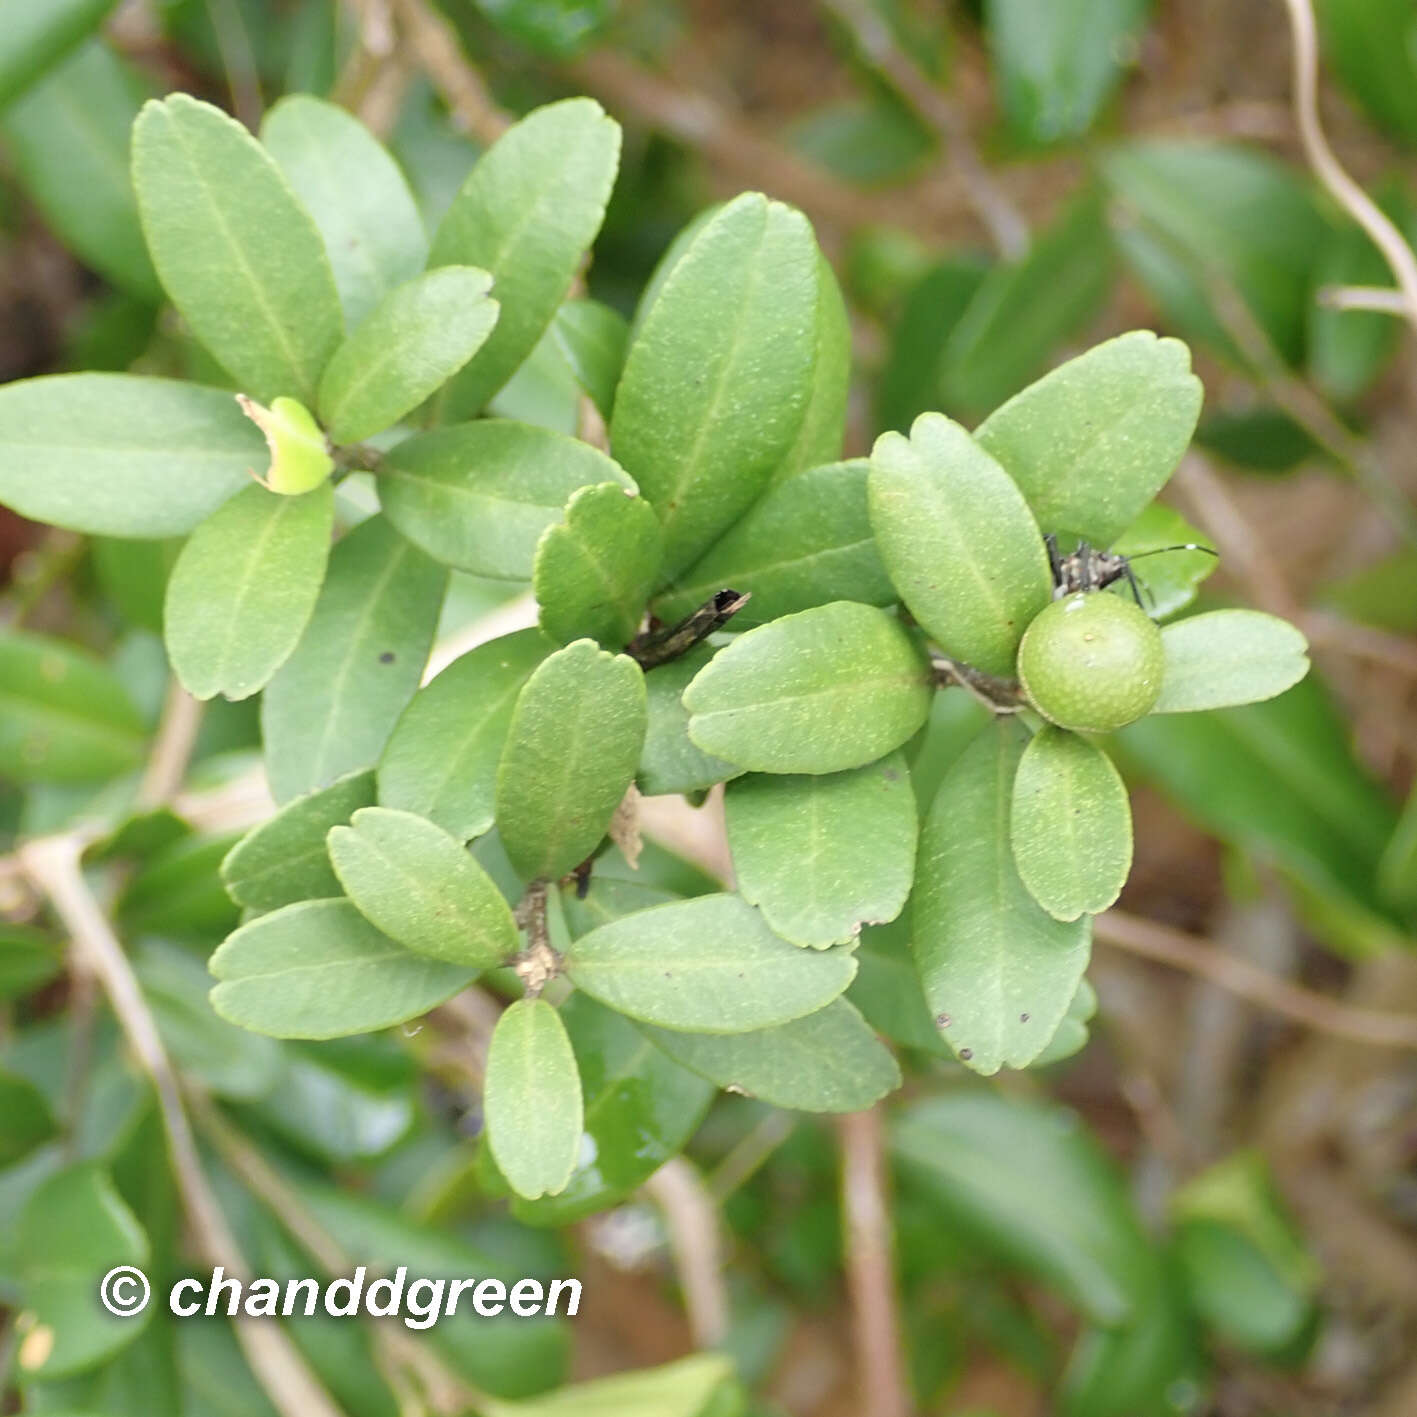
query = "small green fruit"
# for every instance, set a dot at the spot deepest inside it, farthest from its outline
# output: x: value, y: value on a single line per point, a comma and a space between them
x: 1091, y: 662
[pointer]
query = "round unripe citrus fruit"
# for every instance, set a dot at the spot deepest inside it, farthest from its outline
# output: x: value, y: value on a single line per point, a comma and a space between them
x: 1091, y: 662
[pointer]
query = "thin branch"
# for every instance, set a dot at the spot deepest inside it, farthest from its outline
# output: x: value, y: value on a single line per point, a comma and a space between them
x: 172, y: 749
x: 53, y: 864
x: 1345, y: 191
x: 692, y: 1219
x: 870, y: 1272
x: 1378, y: 298
x: 433, y: 43
x: 1178, y: 950
x: 539, y: 963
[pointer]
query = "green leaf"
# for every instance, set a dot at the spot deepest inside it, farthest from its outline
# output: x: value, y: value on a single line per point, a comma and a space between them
x: 300, y: 455
x: 680, y: 1389
x: 68, y: 138
x: 74, y: 1229
x: 959, y: 542
x: 416, y: 338
x: 823, y: 427
x: 527, y: 213
x: 33, y: 37
x: 318, y: 969
x: 640, y: 1110
x: 593, y: 338
x: 239, y: 256
x: 25, y: 1118
x: 719, y: 372
x: 806, y: 542
x: 532, y: 1099
x: 480, y: 495
x: 593, y: 572
x: 821, y: 856
x: 983, y: 1160
x: 706, y: 965
x: 244, y: 588
x: 1229, y: 657
x: 441, y: 759
x: 372, y: 231
x: 421, y: 888
x: 121, y: 454
x: 669, y: 761
x: 829, y: 1061
x: 571, y: 751
x: 1056, y: 67
x: 178, y: 892
x: 64, y: 716
x: 1091, y: 443
x: 998, y: 970
x: 832, y: 688
x: 1168, y: 580
x: 1397, y: 871
x: 28, y: 961
x: 284, y: 860
x: 1370, y: 45
x: 1070, y: 824
x: 1072, y: 1035
x: 331, y: 706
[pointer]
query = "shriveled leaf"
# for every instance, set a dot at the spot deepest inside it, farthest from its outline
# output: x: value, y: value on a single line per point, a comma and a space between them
x: 719, y: 371
x: 831, y: 688
x: 821, y: 856
x: 284, y: 860
x: 33, y: 37
x: 998, y: 970
x: 331, y: 706
x: 122, y: 454
x: 1229, y: 657
x: 244, y: 589
x: 571, y: 751
x: 593, y: 338
x: 669, y: 761
x: 959, y: 541
x: 412, y: 342
x: 531, y: 1100
x: 807, y: 542
x: 441, y: 759
x: 593, y: 572
x: 829, y: 1061
x: 527, y: 213
x: 1092, y: 442
x: 237, y: 253
x: 357, y: 195
x: 64, y: 715
x: 318, y: 969
x: 706, y: 965
x: 421, y: 888
x: 1070, y: 824
x: 479, y: 496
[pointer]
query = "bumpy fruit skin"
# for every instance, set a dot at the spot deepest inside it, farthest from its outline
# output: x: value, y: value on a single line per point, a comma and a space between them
x: 1091, y: 662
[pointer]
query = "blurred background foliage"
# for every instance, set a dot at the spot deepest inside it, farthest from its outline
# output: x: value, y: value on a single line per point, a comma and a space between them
x: 1230, y: 1164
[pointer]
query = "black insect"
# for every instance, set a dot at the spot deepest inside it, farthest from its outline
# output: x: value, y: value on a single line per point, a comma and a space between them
x: 1087, y: 568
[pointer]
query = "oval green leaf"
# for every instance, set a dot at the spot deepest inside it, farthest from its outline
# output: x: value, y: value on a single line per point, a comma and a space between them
x: 998, y: 970
x: 670, y: 762
x: 807, y: 542
x: 285, y: 860
x: 1229, y: 657
x: 1169, y: 580
x: 331, y: 705
x: 26, y: 1120
x: 1070, y: 824
x: 421, y: 888
x: 959, y: 541
x: 122, y: 454
x: 829, y: 1061
x: 237, y: 254
x: 706, y: 965
x: 244, y: 589
x: 1092, y: 442
x: 833, y: 688
x: 593, y: 338
x: 33, y: 37
x: 527, y: 214
x: 357, y: 195
x: 822, y: 856
x: 531, y: 1100
x: 571, y: 751
x: 480, y: 495
x: 441, y: 759
x: 719, y: 371
x: 417, y: 337
x: 319, y: 969
x: 593, y: 572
